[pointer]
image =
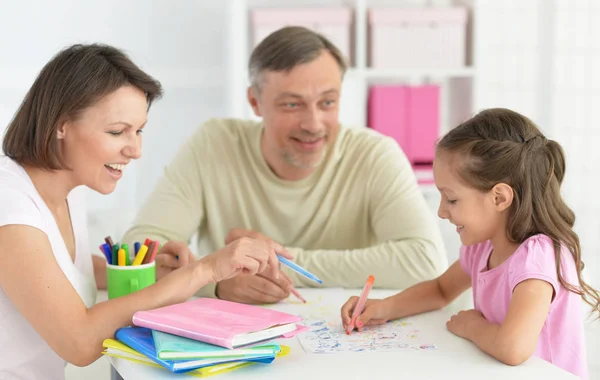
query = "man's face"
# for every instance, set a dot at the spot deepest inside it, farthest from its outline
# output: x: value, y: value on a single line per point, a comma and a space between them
x: 300, y: 114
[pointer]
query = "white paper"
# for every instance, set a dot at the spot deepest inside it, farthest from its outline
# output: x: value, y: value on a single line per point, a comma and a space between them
x: 326, y: 335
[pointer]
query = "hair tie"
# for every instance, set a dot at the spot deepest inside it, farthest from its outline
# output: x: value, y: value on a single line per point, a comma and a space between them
x: 533, y: 138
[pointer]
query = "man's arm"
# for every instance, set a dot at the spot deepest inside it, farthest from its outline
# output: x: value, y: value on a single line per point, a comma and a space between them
x: 395, y: 265
x: 409, y: 248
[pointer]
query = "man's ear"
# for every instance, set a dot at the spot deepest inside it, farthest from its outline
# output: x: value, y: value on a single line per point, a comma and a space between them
x: 503, y: 196
x: 252, y: 95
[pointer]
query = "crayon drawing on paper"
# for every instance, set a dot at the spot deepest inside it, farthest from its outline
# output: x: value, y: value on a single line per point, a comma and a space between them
x: 326, y: 335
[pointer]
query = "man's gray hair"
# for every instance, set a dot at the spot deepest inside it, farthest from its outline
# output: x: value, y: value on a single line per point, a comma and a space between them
x: 287, y: 48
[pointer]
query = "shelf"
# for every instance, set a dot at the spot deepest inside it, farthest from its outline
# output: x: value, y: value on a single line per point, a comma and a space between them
x: 383, y: 74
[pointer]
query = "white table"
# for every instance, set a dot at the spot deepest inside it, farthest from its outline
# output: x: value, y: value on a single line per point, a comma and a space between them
x: 454, y: 358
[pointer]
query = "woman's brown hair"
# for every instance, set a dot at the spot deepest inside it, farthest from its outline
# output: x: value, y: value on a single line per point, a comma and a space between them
x: 502, y: 146
x: 73, y: 80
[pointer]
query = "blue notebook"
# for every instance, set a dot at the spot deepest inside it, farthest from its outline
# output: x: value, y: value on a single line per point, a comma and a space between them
x: 175, y: 347
x: 140, y: 339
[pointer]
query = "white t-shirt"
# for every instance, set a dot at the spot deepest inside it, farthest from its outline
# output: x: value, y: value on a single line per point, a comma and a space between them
x: 23, y: 352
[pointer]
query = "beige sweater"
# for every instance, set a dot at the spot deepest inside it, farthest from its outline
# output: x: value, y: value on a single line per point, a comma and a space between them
x: 359, y: 213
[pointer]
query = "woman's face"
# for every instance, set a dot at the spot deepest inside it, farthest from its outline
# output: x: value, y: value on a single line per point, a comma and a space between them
x: 99, y: 144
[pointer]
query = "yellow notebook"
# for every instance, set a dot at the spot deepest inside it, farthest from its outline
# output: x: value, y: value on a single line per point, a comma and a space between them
x: 119, y: 350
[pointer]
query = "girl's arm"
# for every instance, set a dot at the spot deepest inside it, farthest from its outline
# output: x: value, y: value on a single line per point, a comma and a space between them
x: 513, y: 341
x: 430, y: 295
x: 425, y: 296
x: 35, y: 284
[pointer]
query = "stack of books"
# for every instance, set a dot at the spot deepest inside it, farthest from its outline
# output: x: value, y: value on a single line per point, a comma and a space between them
x: 204, y: 337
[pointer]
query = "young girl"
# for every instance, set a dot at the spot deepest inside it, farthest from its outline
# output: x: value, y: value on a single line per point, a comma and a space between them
x: 80, y: 124
x: 500, y: 179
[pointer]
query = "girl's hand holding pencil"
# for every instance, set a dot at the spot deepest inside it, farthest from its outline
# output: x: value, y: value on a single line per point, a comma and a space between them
x: 375, y: 312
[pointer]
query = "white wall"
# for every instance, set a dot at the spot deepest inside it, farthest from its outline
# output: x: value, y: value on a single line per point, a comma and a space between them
x: 542, y: 58
x: 182, y: 46
x: 539, y: 57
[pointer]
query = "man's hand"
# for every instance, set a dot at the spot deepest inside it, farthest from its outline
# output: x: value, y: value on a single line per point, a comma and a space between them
x: 237, y: 233
x: 255, y: 289
x: 259, y: 289
x: 172, y: 255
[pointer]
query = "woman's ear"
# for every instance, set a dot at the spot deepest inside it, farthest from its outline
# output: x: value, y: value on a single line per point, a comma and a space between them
x: 61, y: 130
x: 503, y: 196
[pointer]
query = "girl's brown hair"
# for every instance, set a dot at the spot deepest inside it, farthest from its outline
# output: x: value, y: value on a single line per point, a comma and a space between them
x: 502, y: 146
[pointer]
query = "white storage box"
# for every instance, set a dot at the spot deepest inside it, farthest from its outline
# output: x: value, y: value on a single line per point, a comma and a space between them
x: 417, y: 37
x: 333, y: 23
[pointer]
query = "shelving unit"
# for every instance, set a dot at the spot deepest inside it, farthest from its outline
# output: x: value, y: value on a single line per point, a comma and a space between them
x: 456, y: 84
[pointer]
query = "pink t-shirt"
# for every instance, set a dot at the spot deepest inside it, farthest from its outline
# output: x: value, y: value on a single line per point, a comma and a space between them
x: 561, y: 340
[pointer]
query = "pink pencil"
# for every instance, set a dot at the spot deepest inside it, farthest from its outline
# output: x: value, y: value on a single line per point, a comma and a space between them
x: 295, y: 292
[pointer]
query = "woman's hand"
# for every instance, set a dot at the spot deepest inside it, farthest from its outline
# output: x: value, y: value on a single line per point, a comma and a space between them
x: 245, y: 255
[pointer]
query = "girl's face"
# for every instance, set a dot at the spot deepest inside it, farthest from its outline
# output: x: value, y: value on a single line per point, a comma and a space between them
x: 99, y: 144
x: 474, y: 213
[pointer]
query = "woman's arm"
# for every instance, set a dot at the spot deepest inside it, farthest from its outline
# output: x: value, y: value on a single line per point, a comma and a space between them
x: 76, y: 333
x: 99, y: 264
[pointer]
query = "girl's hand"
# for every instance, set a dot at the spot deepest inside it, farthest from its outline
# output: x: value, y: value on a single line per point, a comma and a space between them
x: 375, y: 312
x: 459, y: 323
x: 245, y: 255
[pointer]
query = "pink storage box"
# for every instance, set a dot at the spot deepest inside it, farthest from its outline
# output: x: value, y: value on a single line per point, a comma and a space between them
x: 410, y: 115
x: 417, y: 37
x: 333, y: 23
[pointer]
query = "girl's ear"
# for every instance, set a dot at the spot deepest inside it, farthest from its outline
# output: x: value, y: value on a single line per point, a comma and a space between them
x: 503, y: 196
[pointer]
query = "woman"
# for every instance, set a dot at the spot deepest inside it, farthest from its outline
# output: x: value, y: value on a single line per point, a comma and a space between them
x: 79, y: 124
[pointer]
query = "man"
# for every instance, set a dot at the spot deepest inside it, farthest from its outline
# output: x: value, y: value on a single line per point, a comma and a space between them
x: 344, y: 202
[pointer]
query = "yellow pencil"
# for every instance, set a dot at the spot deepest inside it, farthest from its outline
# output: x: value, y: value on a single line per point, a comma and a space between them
x: 121, y: 257
x: 140, y: 255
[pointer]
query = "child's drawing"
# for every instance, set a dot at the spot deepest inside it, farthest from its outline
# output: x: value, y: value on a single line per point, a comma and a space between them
x: 327, y: 336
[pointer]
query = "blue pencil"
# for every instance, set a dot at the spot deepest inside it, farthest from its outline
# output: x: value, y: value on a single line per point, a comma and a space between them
x: 299, y: 269
x: 107, y: 253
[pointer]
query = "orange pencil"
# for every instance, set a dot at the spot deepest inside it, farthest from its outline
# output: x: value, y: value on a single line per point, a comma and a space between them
x: 360, y: 304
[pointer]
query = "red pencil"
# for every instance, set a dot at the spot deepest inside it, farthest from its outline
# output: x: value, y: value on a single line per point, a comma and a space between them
x: 152, y: 249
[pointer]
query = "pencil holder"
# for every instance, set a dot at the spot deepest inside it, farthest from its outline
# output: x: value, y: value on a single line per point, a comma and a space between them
x: 123, y: 280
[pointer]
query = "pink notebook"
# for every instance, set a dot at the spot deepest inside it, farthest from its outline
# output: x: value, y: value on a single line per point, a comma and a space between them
x: 222, y: 323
